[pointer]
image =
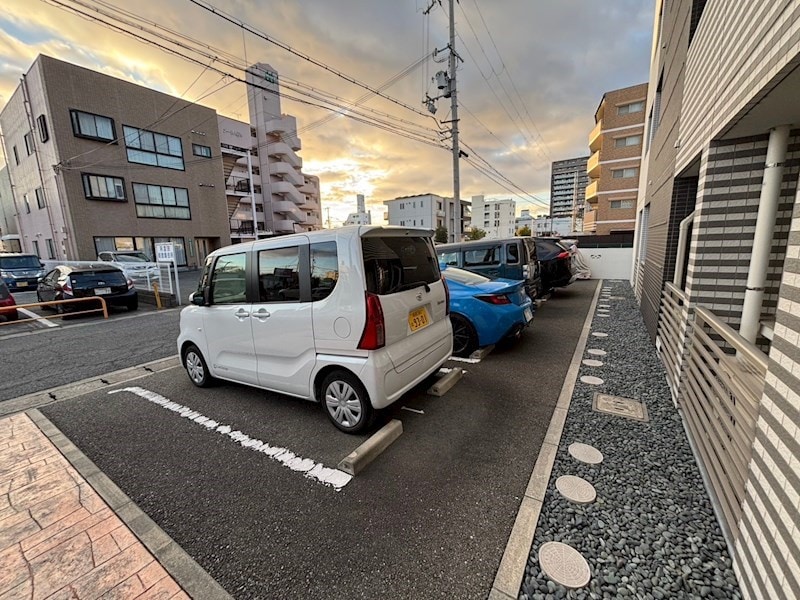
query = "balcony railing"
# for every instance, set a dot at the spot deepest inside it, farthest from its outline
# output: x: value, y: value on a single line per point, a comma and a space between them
x: 590, y: 221
x: 591, y: 192
x: 595, y: 137
x: 718, y: 379
x: 593, y: 165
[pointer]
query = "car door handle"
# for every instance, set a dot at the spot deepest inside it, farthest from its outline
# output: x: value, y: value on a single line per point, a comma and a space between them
x: 241, y: 314
x: 261, y: 314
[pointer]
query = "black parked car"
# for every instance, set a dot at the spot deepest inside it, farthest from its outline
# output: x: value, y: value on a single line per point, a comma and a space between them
x: 555, y: 262
x: 66, y: 282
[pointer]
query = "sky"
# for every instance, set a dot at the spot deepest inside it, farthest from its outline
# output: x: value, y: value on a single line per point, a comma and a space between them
x: 532, y: 74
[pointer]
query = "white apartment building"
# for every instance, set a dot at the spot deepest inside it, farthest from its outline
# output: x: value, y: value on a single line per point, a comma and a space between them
x: 495, y: 217
x: 429, y: 211
x: 543, y: 225
x: 362, y: 216
x: 290, y: 199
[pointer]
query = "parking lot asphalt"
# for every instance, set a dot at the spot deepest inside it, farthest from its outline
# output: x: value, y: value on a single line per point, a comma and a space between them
x: 428, y: 519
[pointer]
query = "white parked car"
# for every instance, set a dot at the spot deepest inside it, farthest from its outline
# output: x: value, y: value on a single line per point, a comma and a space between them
x: 351, y: 317
x: 134, y: 263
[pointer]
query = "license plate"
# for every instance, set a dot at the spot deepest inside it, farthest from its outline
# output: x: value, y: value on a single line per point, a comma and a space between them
x: 22, y: 284
x: 417, y: 319
x: 102, y: 291
x: 528, y: 314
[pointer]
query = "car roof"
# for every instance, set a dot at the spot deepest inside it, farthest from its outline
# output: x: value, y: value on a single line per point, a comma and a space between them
x: 16, y: 254
x: 100, y: 268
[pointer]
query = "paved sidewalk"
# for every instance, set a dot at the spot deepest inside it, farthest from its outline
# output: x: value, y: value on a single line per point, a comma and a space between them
x: 58, y: 538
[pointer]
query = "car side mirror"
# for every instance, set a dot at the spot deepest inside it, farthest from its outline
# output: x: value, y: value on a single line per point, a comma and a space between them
x: 41, y: 265
x: 200, y: 298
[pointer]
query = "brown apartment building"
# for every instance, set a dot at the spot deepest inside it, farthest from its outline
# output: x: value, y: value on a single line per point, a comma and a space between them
x: 98, y: 163
x: 616, y: 147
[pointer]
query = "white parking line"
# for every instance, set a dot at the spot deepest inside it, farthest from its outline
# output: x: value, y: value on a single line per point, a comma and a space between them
x: 466, y: 360
x: 39, y: 320
x: 414, y: 410
x: 309, y: 468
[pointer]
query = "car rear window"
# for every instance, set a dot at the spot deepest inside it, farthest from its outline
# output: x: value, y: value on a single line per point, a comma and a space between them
x: 548, y: 249
x: 19, y: 262
x: 394, y: 263
x: 465, y: 277
x: 90, y: 278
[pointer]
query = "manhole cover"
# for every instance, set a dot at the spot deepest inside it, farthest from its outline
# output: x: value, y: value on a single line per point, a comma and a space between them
x: 599, y: 334
x: 586, y: 453
x: 596, y: 352
x: 576, y: 489
x: 564, y: 565
x: 591, y: 380
x: 621, y: 407
x: 590, y: 362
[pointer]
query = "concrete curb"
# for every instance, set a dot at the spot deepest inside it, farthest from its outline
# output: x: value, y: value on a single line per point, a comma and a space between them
x: 508, y: 578
x: 445, y: 382
x: 358, y: 459
x: 194, y: 580
x: 85, y: 386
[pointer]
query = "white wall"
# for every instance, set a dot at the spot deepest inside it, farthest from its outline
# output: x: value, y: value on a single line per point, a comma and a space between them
x: 608, y: 263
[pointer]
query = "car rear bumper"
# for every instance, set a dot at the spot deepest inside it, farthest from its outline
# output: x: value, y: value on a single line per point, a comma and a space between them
x: 507, y: 323
x: 116, y: 300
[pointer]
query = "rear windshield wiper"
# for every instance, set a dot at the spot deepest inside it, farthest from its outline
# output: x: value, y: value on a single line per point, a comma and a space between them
x: 412, y: 285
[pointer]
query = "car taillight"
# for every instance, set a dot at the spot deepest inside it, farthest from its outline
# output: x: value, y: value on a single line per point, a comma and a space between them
x: 67, y: 286
x: 563, y: 255
x: 374, y: 335
x: 446, y: 297
x: 130, y: 284
x: 495, y: 299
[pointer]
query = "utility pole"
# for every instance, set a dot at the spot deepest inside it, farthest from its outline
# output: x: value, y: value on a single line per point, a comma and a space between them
x: 328, y: 208
x: 447, y: 83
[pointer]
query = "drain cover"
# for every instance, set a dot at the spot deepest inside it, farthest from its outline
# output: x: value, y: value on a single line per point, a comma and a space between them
x: 591, y: 380
x: 590, y: 362
x: 597, y: 352
x: 576, y: 489
x: 599, y: 334
x: 586, y: 453
x: 621, y: 407
x: 563, y: 564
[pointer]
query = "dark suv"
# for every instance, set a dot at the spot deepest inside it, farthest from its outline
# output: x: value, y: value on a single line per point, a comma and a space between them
x: 556, y: 262
x: 20, y: 271
x: 65, y: 283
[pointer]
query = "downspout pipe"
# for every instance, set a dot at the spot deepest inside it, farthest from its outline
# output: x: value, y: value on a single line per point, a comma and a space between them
x: 680, y: 258
x: 765, y: 227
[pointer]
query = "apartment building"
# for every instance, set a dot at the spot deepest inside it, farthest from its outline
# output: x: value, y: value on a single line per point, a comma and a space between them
x: 568, y: 181
x: 429, y: 211
x: 9, y: 234
x: 616, y: 144
x: 97, y: 163
x: 717, y: 263
x: 362, y: 216
x: 495, y: 217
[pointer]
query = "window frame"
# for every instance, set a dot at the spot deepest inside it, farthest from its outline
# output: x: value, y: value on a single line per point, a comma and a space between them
x: 622, y: 170
x: 16, y: 156
x: 154, y: 152
x: 620, y: 201
x: 51, y: 249
x: 44, y: 132
x: 625, y: 139
x: 41, y: 201
x: 196, y: 153
x: 627, y: 106
x: 87, y: 191
x: 188, y: 206
x: 28, y: 139
x: 73, y: 115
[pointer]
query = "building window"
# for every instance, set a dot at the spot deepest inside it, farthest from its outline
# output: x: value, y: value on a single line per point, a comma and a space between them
x: 92, y: 127
x: 28, y: 143
x: 621, y: 204
x: 199, y: 150
x: 631, y: 140
x: 16, y: 156
x: 401, y: 204
x: 624, y: 173
x: 155, y: 149
x: 630, y: 108
x: 40, y: 198
x: 161, y: 202
x: 100, y: 187
x: 51, y: 249
x: 36, y: 248
x: 44, y: 134
x: 255, y: 170
x: 27, y: 204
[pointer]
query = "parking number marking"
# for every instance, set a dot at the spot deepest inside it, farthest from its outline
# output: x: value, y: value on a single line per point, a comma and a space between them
x: 309, y: 468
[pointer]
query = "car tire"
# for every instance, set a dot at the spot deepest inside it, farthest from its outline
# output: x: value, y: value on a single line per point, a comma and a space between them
x: 196, y: 367
x: 346, y: 402
x: 465, y: 338
x: 39, y: 299
x: 133, y: 304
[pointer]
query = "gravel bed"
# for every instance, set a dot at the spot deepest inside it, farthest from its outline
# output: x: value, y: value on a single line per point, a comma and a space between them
x: 651, y: 533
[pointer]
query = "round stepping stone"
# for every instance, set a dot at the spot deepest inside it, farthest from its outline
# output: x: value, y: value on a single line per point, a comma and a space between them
x: 593, y: 363
x: 576, y: 489
x: 564, y: 565
x: 597, y: 352
x: 602, y: 315
x: 585, y: 453
x: 591, y: 380
x: 599, y: 334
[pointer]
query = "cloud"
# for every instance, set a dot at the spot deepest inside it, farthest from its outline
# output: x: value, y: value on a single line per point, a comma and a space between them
x: 528, y: 91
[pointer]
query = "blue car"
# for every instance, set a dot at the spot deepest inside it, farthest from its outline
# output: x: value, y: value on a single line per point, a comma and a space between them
x: 484, y: 311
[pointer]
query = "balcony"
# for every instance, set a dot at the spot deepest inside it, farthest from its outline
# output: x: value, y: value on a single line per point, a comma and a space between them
x: 238, y: 186
x: 312, y: 220
x: 288, y: 191
x: 286, y: 127
x: 288, y: 209
x: 285, y: 153
x: 591, y: 192
x: 287, y: 171
x: 590, y: 221
x: 310, y: 204
x: 284, y: 226
x: 593, y: 166
x: 595, y: 137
